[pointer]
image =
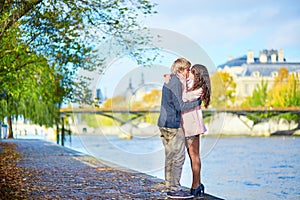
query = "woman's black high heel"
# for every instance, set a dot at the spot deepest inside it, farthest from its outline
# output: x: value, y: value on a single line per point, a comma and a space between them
x: 199, y: 191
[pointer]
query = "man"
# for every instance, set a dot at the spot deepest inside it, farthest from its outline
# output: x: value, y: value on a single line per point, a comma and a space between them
x: 169, y: 123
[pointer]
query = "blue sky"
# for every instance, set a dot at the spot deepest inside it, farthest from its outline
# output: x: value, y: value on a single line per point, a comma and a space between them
x: 220, y: 28
x: 232, y: 27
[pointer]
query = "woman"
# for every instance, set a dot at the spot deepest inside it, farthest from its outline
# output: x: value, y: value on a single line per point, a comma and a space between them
x: 198, y: 85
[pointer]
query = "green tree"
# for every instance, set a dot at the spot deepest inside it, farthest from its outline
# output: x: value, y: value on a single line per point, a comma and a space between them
x: 258, y: 97
x: 28, y: 83
x: 53, y: 39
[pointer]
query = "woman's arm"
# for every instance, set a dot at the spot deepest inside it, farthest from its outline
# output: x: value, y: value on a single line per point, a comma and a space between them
x: 178, y: 102
x: 191, y: 95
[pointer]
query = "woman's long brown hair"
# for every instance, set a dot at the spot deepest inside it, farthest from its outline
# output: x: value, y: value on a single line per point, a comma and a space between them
x: 202, y: 80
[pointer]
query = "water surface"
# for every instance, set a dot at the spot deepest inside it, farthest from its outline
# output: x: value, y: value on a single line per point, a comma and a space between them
x: 232, y: 167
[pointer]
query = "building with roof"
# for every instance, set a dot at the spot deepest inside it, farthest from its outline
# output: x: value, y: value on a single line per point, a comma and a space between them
x: 248, y: 71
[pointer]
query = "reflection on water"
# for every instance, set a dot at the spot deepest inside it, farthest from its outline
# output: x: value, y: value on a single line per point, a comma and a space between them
x: 235, y: 168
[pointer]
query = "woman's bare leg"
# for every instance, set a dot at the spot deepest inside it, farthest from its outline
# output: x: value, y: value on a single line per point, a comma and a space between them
x: 193, y: 151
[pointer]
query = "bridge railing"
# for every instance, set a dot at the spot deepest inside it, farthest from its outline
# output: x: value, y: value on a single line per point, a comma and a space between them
x: 156, y: 110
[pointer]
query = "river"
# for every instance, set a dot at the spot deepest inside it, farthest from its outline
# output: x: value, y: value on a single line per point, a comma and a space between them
x: 232, y: 167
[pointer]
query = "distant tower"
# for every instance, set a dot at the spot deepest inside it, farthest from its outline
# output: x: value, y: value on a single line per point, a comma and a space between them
x: 141, y: 90
x: 129, y: 90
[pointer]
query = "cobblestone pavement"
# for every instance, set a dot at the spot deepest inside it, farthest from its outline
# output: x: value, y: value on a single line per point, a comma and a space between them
x: 36, y: 169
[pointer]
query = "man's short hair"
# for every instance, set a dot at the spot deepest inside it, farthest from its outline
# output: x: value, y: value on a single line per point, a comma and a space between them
x: 179, y: 65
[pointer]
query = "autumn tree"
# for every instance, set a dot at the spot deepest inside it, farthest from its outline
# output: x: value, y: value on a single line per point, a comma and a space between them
x: 293, y: 88
x: 282, y: 77
x: 223, y: 89
x: 116, y: 102
x: 152, y: 98
x: 286, y: 93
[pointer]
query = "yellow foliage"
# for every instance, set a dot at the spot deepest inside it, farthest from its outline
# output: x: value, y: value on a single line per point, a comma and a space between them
x: 152, y: 98
x: 285, y: 92
x: 223, y: 89
x: 283, y: 74
x: 117, y: 101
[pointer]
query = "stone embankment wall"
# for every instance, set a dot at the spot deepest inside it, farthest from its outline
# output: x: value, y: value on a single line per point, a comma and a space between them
x: 234, y: 125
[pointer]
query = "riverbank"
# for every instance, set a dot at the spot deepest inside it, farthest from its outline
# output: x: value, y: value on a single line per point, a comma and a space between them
x: 223, y: 124
x: 36, y: 169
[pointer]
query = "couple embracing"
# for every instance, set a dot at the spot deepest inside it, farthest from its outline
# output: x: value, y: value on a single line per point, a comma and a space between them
x: 181, y: 123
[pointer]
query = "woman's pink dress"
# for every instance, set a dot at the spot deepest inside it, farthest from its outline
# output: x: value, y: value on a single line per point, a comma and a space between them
x: 192, y: 120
